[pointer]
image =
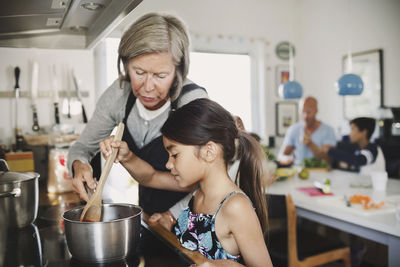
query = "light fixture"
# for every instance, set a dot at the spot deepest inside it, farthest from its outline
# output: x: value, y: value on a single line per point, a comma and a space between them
x: 92, y: 6
x: 349, y: 83
x: 291, y: 89
x: 78, y: 28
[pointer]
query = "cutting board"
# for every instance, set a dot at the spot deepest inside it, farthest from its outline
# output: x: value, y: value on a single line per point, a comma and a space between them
x: 319, y: 169
x: 339, y: 203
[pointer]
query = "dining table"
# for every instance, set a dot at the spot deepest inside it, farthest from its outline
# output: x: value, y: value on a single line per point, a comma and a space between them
x: 334, y: 210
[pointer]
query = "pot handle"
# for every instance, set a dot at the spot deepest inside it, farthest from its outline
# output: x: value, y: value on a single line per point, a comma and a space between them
x: 16, y: 192
x: 4, y: 165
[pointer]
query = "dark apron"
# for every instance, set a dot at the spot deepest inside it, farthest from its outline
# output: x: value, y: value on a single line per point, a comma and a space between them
x: 150, y: 199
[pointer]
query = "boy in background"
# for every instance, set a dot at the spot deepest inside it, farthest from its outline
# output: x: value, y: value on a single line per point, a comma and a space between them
x: 367, y: 156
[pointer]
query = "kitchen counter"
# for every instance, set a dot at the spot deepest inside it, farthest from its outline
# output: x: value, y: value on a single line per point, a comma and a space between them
x: 43, y: 242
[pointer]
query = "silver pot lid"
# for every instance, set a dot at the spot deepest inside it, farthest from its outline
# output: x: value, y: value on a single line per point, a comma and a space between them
x: 15, y: 177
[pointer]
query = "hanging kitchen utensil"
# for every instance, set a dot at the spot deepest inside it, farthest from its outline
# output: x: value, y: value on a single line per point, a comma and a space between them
x: 55, y: 99
x: 68, y: 95
x: 34, y: 92
x: 349, y: 83
x: 93, y: 209
x: 79, y: 96
x: 19, y: 140
x: 291, y: 89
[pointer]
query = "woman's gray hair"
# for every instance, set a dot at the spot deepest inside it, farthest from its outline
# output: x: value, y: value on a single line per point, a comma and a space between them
x: 156, y: 33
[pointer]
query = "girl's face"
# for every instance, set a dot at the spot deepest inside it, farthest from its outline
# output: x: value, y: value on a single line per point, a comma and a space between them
x: 151, y: 77
x: 184, y: 162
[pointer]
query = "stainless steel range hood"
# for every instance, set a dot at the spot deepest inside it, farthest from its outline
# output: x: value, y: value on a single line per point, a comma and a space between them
x: 61, y: 24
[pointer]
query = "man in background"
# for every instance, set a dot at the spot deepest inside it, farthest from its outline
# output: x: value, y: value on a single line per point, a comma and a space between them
x: 305, y: 139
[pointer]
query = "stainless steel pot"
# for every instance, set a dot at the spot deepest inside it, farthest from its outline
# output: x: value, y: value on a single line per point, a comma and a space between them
x: 19, y: 196
x: 114, y: 238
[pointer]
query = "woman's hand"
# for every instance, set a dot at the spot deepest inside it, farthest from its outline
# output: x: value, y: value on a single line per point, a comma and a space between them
x: 124, y: 154
x: 83, y: 173
x: 166, y: 219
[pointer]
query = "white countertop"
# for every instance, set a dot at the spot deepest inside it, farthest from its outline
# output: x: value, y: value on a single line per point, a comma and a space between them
x: 345, y: 183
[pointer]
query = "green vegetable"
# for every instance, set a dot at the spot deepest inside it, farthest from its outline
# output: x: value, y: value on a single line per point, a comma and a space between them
x: 303, y: 174
x: 326, y: 189
x: 314, y: 163
x: 268, y: 153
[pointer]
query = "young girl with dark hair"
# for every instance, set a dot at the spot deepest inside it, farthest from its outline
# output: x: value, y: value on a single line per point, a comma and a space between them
x: 223, y: 222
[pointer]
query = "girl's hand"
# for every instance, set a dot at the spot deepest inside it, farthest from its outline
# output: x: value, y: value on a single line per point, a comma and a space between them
x: 166, y: 219
x: 106, y: 146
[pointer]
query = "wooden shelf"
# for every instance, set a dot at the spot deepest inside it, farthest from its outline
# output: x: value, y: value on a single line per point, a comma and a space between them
x: 47, y: 139
x: 43, y: 94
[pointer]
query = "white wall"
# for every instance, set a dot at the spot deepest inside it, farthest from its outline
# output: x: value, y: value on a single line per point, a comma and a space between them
x: 318, y: 30
x: 80, y: 60
x: 321, y: 39
x: 253, y: 27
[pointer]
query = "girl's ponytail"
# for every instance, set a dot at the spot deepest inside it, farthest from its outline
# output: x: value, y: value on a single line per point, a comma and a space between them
x: 251, y: 156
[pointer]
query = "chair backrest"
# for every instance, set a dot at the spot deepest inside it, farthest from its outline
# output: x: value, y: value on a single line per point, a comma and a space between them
x: 282, y: 207
x: 377, y: 165
x: 292, y: 231
x: 276, y: 206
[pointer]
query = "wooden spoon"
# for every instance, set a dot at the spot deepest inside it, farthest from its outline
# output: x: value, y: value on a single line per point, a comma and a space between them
x: 93, y: 208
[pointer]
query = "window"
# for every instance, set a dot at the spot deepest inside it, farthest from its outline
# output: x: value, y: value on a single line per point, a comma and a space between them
x: 226, y: 77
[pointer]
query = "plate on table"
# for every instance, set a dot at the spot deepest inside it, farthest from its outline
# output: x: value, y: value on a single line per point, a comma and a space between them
x: 339, y: 203
x: 284, y: 173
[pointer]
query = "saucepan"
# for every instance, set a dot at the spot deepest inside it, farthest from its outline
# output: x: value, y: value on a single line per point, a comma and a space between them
x: 114, y: 238
x: 19, y: 196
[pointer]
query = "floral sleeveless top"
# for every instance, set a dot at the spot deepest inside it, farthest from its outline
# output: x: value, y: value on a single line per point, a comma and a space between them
x: 197, y: 232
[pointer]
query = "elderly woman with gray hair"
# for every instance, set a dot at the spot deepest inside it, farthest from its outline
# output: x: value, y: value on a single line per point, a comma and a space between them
x: 154, y: 54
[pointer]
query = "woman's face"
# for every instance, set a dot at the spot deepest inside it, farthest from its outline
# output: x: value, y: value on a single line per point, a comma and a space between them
x: 151, y: 77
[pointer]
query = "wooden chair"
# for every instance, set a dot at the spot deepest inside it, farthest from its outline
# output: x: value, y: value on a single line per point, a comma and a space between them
x: 303, y: 248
